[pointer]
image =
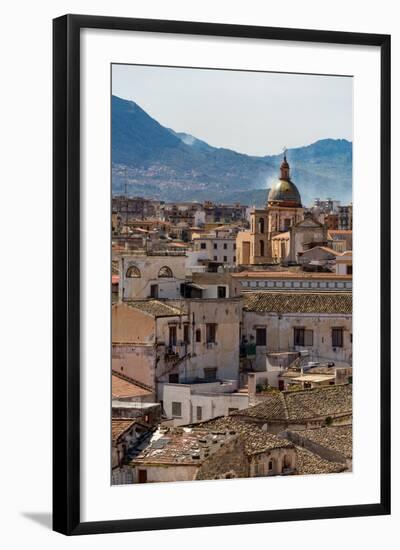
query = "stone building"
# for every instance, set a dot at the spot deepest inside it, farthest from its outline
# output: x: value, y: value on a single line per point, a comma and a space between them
x: 151, y: 275
x: 315, y: 321
x: 189, y: 403
x: 176, y: 341
x: 321, y: 256
x: 283, y: 210
x: 125, y: 434
x: 345, y: 217
x: 330, y: 443
x: 344, y: 263
x: 267, y: 453
x: 218, y: 245
x: 305, y: 234
x: 220, y: 449
x: 176, y: 454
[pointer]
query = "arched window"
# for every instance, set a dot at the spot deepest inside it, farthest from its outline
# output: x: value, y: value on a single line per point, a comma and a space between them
x: 262, y: 248
x: 261, y: 225
x: 133, y: 272
x: 165, y: 272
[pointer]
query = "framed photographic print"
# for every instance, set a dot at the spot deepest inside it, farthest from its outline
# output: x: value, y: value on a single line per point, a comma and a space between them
x: 213, y: 186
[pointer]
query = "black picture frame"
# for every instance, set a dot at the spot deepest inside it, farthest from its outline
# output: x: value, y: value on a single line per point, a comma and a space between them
x: 66, y: 273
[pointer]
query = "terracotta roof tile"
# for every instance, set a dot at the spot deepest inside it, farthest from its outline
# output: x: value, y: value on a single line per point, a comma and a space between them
x: 255, y: 439
x: 119, y: 426
x: 337, y: 438
x: 309, y: 463
x: 156, y: 308
x: 124, y: 389
x: 298, y: 302
x: 302, y: 405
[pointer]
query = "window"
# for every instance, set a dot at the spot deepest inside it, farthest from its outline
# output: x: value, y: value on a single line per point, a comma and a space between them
x: 198, y: 335
x: 337, y: 337
x: 261, y: 225
x: 222, y: 292
x: 133, y: 272
x: 349, y: 270
x: 186, y: 334
x: 262, y: 248
x: 199, y: 411
x: 210, y: 374
x: 203, y: 246
x: 215, y: 258
x: 225, y: 246
x: 234, y: 246
x: 172, y: 335
x: 176, y: 409
x: 173, y: 378
x: 211, y: 329
x: 270, y: 465
x: 165, y: 272
x: 215, y: 246
x: 303, y: 337
x: 261, y: 336
x: 225, y: 258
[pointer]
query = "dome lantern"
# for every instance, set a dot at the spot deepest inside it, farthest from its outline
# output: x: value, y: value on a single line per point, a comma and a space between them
x: 284, y: 192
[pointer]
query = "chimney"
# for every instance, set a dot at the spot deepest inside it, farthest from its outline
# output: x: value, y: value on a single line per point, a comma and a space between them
x: 251, y: 386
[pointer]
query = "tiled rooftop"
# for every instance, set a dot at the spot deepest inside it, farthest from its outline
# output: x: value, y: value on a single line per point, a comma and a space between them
x: 119, y: 426
x: 298, y: 302
x: 338, y: 438
x: 182, y: 446
x: 255, y: 439
x: 303, y: 404
x: 124, y: 389
x: 156, y: 308
x: 310, y: 463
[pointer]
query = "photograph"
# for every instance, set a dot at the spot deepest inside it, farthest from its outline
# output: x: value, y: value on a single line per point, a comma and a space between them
x: 231, y: 274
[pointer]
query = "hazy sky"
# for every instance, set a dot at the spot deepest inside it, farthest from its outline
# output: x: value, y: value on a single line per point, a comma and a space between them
x: 253, y: 113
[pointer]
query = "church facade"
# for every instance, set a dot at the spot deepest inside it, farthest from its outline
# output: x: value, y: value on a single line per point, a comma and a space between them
x: 283, y: 211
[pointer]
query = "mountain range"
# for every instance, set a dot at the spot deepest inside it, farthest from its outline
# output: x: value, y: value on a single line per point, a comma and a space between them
x: 153, y: 161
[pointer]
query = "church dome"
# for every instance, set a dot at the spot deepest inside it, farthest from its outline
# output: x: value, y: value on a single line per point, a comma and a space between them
x: 284, y: 192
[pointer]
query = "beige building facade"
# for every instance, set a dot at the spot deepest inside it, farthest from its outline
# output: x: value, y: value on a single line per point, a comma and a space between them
x: 283, y: 210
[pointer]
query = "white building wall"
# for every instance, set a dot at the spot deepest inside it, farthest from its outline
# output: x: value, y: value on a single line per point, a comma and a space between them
x: 149, y: 267
x: 280, y: 334
x: 209, y: 397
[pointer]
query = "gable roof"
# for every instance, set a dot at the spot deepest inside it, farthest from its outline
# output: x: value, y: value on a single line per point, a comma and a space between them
x: 255, y: 439
x: 298, y: 302
x: 123, y: 388
x: 157, y: 308
x: 119, y: 426
x: 301, y: 405
x: 338, y: 438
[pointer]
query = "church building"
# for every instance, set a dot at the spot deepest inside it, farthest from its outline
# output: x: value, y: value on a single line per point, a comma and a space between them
x: 283, y: 211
